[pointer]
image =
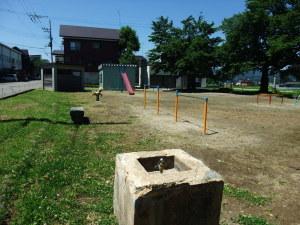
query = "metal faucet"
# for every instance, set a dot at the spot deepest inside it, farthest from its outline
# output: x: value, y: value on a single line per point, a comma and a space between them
x: 161, y: 165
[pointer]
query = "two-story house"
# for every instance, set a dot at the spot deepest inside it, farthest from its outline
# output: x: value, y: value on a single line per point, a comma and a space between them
x: 89, y: 47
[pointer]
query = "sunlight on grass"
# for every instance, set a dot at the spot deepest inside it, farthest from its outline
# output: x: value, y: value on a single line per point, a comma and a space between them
x: 245, y: 195
x: 53, y: 172
x: 251, y: 220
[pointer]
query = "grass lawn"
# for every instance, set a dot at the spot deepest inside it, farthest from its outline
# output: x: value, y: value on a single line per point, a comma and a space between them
x: 53, y: 172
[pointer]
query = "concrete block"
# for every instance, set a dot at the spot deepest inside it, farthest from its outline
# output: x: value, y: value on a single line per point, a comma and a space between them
x: 168, y: 187
x: 77, y: 115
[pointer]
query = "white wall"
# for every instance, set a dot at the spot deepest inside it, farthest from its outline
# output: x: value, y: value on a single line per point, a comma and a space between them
x: 10, y: 58
x: 14, y: 88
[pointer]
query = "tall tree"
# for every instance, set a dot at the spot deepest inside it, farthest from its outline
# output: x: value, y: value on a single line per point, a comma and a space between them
x: 129, y: 44
x: 162, y: 33
x: 262, y: 37
x: 186, y: 50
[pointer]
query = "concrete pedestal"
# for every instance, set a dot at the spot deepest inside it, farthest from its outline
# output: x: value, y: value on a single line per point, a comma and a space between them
x: 77, y: 115
x: 167, y: 187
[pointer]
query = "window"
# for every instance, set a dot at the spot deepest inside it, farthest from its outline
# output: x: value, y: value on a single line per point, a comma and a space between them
x: 96, y: 44
x: 74, y: 45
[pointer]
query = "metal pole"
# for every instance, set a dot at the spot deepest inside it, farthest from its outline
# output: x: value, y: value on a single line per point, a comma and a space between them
x: 42, y: 78
x: 176, y: 105
x: 158, y: 103
x: 51, y: 40
x: 145, y: 97
x: 205, y: 110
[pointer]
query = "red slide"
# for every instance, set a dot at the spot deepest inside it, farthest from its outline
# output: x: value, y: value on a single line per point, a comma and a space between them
x: 127, y: 84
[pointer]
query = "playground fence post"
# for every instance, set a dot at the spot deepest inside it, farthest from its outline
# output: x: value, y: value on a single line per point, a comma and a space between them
x: 158, y: 100
x: 176, y: 105
x: 145, y: 97
x: 205, y: 110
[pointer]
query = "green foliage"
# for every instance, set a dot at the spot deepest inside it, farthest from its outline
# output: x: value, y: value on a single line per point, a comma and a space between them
x: 251, y: 220
x: 129, y: 43
x: 189, y: 49
x: 265, y: 36
x: 245, y: 195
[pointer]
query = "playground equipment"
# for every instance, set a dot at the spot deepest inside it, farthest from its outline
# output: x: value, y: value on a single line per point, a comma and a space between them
x: 145, y: 96
x: 158, y: 100
x: 297, y: 100
x: 176, y: 107
x: 204, y: 114
x: 98, y: 93
x: 127, y: 83
x: 204, y: 117
x: 269, y: 96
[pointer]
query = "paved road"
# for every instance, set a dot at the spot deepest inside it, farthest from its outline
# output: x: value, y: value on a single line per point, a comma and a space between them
x: 14, y: 88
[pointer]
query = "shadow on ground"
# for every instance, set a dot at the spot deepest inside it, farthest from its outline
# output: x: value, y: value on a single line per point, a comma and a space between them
x: 86, y: 121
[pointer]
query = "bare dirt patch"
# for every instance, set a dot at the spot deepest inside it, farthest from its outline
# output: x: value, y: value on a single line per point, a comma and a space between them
x: 256, y: 147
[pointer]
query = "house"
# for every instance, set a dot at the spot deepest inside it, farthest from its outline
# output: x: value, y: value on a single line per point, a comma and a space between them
x: 59, y: 56
x: 10, y: 59
x: 27, y: 67
x: 89, y: 47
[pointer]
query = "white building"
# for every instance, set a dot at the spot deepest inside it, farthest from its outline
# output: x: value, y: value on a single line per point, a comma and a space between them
x: 10, y: 58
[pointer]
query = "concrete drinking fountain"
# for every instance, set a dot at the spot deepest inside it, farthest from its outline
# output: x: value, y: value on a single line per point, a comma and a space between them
x: 168, y: 187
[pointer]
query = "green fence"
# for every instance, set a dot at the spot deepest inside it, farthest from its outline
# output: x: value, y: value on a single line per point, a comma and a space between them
x: 110, y: 76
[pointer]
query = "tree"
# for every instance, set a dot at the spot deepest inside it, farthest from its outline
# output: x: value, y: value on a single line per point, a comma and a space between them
x: 159, y: 57
x: 263, y: 37
x: 187, y: 50
x: 129, y: 43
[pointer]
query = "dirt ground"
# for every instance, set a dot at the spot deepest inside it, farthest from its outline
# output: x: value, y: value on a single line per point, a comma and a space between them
x: 253, y: 146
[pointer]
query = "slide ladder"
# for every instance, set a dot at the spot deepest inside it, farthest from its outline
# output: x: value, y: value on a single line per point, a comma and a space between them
x: 127, y: 83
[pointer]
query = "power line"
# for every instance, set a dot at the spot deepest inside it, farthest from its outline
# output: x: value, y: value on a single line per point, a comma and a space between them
x: 18, y: 17
x: 22, y: 45
x: 19, y: 32
x: 138, y: 25
x: 36, y: 19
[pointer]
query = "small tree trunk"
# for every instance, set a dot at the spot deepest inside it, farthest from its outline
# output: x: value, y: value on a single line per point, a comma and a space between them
x: 191, y: 82
x: 264, y: 82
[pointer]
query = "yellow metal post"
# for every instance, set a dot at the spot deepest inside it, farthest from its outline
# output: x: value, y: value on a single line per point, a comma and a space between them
x: 145, y: 97
x: 204, y: 121
x: 158, y: 100
x: 176, y: 105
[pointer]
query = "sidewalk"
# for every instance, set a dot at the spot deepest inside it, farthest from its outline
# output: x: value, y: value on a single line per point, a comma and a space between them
x: 14, y: 88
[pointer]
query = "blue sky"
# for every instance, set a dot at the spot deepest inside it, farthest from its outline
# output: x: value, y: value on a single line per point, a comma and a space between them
x: 16, y: 28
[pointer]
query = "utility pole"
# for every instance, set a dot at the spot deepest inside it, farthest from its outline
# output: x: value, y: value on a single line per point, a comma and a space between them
x: 49, y: 30
x: 36, y: 19
x: 51, y: 41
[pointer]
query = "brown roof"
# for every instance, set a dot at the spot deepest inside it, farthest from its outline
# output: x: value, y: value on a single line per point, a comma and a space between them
x: 88, y: 32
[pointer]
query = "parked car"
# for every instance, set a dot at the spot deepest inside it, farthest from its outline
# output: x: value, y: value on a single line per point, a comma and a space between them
x: 9, y: 78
